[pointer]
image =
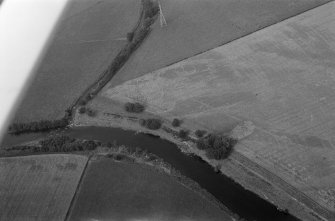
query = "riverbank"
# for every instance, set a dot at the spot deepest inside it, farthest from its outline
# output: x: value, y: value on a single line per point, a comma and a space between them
x: 236, y: 166
x: 141, y: 157
x: 113, y: 152
x: 160, y: 191
x: 239, y: 200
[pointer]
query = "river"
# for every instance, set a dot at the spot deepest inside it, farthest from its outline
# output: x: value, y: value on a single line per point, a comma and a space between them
x: 240, y: 201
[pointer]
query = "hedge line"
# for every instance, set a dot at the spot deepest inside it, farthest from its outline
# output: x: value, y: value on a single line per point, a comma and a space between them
x: 134, y: 41
x: 58, y: 143
x: 150, y: 11
x: 38, y: 126
x: 65, y: 144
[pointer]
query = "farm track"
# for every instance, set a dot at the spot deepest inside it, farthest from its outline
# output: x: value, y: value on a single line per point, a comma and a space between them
x: 288, y: 188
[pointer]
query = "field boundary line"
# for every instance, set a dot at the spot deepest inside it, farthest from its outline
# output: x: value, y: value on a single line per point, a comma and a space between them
x: 75, y: 195
x: 245, y: 35
x: 282, y: 184
x: 108, y: 74
x: 96, y: 84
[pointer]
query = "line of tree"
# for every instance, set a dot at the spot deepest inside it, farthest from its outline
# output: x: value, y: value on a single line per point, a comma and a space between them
x: 58, y: 143
x: 150, y: 10
x: 63, y: 143
x: 38, y: 126
x: 134, y: 40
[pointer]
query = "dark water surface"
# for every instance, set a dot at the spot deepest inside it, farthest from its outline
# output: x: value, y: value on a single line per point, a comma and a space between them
x: 240, y: 201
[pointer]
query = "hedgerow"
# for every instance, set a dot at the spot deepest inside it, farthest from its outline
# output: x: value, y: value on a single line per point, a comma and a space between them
x: 63, y: 143
x: 38, y: 126
x: 58, y: 143
x: 150, y: 11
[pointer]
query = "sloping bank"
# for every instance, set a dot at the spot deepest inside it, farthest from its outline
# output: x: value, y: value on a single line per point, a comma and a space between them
x: 135, y: 38
x: 160, y: 191
x: 135, y: 166
x: 240, y: 201
x: 231, y: 167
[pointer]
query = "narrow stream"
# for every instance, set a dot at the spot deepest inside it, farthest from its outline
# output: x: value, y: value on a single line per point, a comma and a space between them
x: 240, y: 201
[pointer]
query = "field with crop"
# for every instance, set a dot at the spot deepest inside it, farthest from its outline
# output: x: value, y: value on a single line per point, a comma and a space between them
x: 89, y: 35
x: 123, y: 191
x: 279, y: 79
x: 38, y: 187
x: 200, y: 25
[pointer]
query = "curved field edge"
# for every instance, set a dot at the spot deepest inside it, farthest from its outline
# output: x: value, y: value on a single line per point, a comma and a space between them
x: 38, y: 187
x: 159, y: 92
x: 155, y: 199
x: 112, y: 152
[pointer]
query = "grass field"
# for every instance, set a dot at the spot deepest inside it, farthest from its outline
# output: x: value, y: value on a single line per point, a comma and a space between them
x: 122, y: 191
x: 88, y: 37
x: 281, y: 79
x: 195, y: 26
x: 38, y: 187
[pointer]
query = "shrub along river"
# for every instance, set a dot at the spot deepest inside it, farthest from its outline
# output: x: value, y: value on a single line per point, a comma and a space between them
x: 240, y: 201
